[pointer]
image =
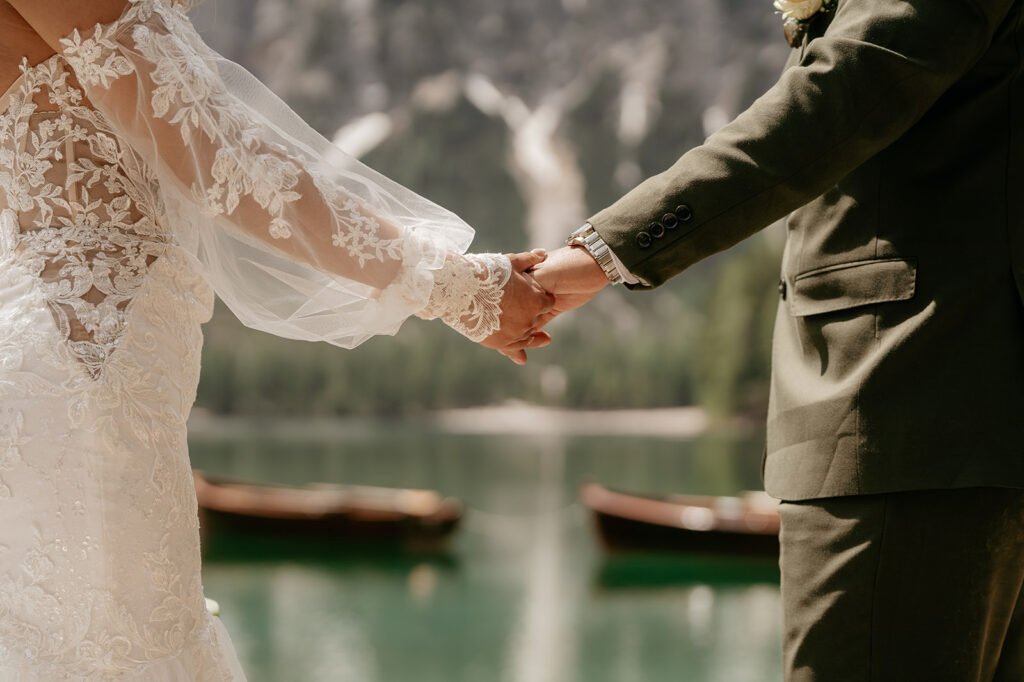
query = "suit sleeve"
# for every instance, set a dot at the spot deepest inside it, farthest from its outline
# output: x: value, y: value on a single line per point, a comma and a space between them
x: 876, y: 70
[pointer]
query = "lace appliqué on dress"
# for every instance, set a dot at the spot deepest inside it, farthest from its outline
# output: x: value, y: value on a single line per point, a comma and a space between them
x: 157, y: 45
x: 82, y: 232
x: 467, y: 294
x: 11, y: 440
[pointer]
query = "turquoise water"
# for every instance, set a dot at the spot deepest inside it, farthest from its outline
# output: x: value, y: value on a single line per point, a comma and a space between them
x: 524, y: 593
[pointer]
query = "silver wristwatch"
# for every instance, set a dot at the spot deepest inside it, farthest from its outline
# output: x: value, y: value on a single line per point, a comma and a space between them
x: 588, y: 238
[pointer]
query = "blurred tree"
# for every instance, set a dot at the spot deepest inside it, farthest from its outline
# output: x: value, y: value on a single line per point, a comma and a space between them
x: 733, y: 358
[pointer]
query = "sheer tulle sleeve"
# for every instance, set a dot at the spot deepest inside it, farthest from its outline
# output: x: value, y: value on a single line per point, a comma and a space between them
x: 296, y: 237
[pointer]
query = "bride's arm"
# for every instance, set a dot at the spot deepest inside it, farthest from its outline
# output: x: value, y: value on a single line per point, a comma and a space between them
x: 266, y: 194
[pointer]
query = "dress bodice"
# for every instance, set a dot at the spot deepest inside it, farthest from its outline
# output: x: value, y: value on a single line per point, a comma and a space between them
x: 100, y: 313
x: 79, y: 209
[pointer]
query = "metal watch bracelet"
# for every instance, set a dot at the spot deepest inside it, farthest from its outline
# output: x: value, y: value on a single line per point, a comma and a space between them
x: 588, y: 238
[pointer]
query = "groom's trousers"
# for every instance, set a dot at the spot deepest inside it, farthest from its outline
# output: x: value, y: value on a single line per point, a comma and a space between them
x: 904, y: 586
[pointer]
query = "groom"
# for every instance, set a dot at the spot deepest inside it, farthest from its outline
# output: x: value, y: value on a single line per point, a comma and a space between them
x: 895, y: 139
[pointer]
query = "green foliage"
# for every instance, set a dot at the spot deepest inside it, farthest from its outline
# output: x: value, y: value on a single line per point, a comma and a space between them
x: 734, y: 353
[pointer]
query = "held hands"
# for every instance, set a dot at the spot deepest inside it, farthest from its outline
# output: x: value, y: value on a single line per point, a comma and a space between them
x: 525, y: 307
x: 542, y: 287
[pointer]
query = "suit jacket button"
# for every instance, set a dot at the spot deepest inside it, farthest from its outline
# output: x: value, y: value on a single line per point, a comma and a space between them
x: 670, y: 221
x: 657, y: 230
x: 684, y: 213
x: 782, y: 289
x: 643, y: 240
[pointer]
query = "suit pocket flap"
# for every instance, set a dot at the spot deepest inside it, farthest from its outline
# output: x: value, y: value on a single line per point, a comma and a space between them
x: 849, y: 285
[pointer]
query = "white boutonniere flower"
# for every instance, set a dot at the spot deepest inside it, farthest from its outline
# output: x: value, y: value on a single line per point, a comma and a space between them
x: 798, y: 9
x: 797, y: 16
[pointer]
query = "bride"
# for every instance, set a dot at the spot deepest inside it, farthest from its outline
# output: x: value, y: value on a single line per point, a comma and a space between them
x: 139, y: 173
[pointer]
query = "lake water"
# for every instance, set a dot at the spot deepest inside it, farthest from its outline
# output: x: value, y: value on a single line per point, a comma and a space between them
x: 524, y: 593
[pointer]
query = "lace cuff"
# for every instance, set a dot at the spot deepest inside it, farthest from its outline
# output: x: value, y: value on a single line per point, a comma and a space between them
x: 467, y: 294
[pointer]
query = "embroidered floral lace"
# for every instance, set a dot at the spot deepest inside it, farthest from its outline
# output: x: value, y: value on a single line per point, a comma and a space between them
x: 276, y: 186
x: 140, y: 173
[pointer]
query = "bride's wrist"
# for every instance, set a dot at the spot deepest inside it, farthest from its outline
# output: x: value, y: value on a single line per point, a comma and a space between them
x: 468, y: 292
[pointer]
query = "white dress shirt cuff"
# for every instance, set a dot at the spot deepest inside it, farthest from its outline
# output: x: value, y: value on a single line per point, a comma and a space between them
x: 627, y: 276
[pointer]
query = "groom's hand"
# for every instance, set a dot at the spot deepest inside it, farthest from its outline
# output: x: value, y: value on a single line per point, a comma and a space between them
x: 525, y: 307
x: 572, y: 275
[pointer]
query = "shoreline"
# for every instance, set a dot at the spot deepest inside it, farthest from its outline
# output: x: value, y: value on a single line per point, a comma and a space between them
x: 512, y: 418
x: 527, y: 419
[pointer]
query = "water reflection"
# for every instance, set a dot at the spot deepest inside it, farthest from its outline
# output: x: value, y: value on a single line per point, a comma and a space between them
x: 522, y: 595
x: 543, y: 642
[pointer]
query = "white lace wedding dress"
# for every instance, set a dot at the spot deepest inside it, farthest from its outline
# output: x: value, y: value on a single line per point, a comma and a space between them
x: 141, y: 172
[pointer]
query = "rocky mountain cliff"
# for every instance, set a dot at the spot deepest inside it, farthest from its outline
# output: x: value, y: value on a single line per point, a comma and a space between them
x: 546, y: 109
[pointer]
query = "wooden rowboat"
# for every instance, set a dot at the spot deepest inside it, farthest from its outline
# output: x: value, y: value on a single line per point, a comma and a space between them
x: 731, y: 525
x: 361, y: 514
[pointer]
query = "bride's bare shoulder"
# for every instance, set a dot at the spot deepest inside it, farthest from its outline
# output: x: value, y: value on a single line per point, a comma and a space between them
x: 32, y: 29
x: 55, y: 19
x: 20, y: 42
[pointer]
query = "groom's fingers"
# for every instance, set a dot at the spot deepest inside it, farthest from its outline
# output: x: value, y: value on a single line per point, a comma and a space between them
x: 516, y: 352
x: 542, y: 320
x: 563, y: 303
x: 538, y: 340
x: 543, y: 301
x: 521, y: 262
x: 518, y: 357
x: 531, y: 340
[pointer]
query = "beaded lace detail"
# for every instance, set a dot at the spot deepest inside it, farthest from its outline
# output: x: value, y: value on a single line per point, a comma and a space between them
x: 467, y: 294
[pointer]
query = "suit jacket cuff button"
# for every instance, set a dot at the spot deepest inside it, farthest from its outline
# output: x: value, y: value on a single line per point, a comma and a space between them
x: 643, y: 240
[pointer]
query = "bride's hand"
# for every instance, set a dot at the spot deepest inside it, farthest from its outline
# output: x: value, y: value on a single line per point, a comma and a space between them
x: 524, y: 306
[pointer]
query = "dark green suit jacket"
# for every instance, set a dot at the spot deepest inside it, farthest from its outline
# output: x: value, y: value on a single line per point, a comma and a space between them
x: 895, y: 137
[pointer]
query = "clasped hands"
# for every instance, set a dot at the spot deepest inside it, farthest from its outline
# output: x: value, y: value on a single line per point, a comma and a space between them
x: 542, y: 287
